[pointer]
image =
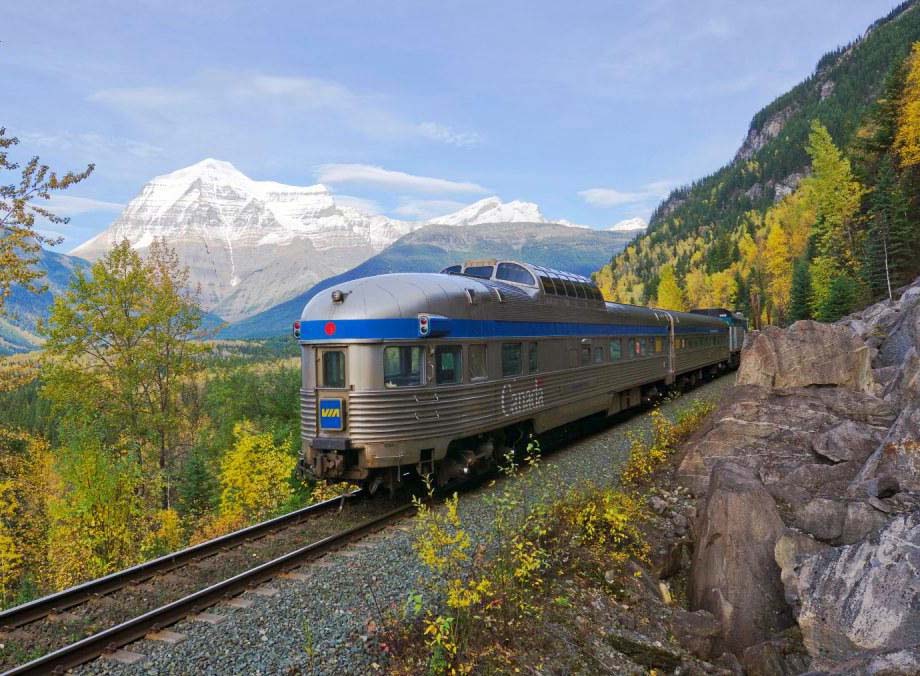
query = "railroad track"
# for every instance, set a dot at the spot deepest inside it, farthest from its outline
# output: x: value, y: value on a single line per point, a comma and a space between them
x: 139, y: 626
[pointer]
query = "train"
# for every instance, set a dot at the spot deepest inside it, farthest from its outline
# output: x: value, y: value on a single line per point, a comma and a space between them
x: 443, y: 374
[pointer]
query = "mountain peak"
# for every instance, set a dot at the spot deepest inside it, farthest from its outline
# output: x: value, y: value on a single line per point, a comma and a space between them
x: 493, y: 210
x: 629, y: 225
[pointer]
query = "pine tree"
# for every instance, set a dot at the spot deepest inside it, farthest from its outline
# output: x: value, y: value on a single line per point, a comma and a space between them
x: 889, y: 244
x: 800, y: 296
x: 840, y: 300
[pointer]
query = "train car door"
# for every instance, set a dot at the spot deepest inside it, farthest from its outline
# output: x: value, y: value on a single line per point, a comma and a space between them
x: 331, y: 390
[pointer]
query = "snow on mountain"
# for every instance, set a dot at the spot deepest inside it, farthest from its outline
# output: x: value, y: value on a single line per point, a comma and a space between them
x: 630, y: 225
x: 493, y: 210
x: 250, y: 245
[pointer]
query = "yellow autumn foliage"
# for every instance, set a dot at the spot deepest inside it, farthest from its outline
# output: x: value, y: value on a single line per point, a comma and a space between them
x: 907, y: 137
x: 255, y: 474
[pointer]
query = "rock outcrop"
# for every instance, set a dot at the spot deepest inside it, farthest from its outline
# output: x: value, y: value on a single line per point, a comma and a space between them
x: 808, y: 485
x: 733, y: 574
x: 807, y: 353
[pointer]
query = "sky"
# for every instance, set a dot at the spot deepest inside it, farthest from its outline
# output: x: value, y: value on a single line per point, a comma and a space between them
x: 593, y: 110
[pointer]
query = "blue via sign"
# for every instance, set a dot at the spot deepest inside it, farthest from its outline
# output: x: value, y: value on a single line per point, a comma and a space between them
x: 331, y: 414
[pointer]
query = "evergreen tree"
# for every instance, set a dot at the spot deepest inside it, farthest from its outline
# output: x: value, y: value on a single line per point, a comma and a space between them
x: 800, y: 296
x: 840, y: 300
x: 889, y: 244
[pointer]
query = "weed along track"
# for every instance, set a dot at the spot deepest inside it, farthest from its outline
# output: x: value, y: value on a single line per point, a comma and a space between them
x: 68, y: 628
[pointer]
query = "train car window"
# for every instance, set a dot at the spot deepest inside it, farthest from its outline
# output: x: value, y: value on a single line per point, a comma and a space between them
x: 533, y: 361
x: 402, y: 366
x: 569, y: 288
x: 480, y: 271
x: 548, y: 286
x: 659, y: 345
x: 598, y: 355
x: 447, y: 369
x: 478, y: 371
x: 511, y: 359
x: 333, y: 368
x: 452, y: 270
x: 580, y: 290
x: 616, y: 349
x: 512, y: 272
x: 585, y: 354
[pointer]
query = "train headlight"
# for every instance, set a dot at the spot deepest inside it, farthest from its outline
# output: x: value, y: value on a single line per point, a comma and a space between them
x: 338, y: 296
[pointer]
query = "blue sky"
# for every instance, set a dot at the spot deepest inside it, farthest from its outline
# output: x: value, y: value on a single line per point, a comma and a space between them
x: 593, y: 110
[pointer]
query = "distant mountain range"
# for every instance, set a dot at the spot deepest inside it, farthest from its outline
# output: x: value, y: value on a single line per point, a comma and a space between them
x: 434, y: 247
x: 253, y: 244
x: 257, y: 248
x: 23, y: 309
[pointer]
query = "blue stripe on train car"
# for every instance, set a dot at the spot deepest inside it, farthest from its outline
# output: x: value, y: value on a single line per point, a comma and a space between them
x: 407, y: 329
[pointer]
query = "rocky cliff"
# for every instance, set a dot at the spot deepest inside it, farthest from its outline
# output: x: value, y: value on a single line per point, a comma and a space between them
x: 807, y: 530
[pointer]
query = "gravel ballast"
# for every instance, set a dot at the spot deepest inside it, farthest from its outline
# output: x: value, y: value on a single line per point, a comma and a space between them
x: 327, y: 614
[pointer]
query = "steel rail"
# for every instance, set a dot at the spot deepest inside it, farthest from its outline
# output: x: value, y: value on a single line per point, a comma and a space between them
x: 132, y: 630
x: 73, y: 596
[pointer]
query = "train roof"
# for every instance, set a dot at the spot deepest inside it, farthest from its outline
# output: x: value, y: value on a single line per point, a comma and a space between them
x: 457, y: 296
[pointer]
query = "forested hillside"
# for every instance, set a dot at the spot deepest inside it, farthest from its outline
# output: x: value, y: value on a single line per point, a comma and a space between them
x: 817, y: 211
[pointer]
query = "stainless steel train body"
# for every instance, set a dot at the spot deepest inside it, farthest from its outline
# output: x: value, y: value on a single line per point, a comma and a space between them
x: 442, y: 373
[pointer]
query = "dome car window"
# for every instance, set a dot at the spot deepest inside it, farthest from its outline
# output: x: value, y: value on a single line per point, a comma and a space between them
x: 548, y: 286
x: 447, y: 364
x: 333, y: 368
x: 480, y: 271
x: 511, y: 359
x: 402, y: 366
x: 512, y: 272
x: 452, y: 270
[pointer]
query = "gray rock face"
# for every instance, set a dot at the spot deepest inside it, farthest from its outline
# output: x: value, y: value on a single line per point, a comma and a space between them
x: 733, y: 574
x: 696, y: 631
x: 807, y: 353
x: 861, y: 597
x: 774, y: 433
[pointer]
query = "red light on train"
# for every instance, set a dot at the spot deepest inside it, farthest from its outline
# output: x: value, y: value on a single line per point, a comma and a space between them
x: 297, y: 329
x: 329, y: 328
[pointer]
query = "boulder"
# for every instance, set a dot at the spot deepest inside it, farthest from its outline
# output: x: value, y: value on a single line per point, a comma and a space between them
x: 773, y: 432
x: 695, y: 631
x: 807, y: 353
x: 822, y: 517
x: 791, y: 549
x: 644, y: 650
x: 733, y: 573
x: 781, y: 656
x: 901, y: 331
x: 861, y: 519
x: 861, y: 597
x: 905, y: 662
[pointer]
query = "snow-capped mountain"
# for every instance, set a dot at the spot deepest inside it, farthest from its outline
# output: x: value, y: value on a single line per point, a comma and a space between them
x: 493, y: 210
x: 629, y: 225
x: 250, y: 245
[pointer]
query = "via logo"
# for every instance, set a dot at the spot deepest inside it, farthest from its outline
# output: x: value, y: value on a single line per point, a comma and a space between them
x: 331, y: 414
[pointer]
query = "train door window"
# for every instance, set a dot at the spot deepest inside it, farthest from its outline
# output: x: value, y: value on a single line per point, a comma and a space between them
x: 447, y: 369
x: 616, y: 349
x: 585, y: 354
x: 533, y: 357
x: 402, y: 366
x: 511, y: 359
x: 598, y: 355
x: 333, y: 368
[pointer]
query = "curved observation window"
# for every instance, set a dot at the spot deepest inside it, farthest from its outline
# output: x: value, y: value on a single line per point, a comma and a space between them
x: 452, y: 270
x: 480, y: 271
x: 512, y: 272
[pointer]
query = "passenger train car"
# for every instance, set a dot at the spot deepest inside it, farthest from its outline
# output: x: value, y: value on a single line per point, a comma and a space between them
x: 442, y: 374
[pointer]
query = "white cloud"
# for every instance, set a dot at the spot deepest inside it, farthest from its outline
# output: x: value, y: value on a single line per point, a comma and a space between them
x: 69, y: 205
x: 424, y: 210
x: 362, y: 204
x: 440, y: 132
x: 91, y: 144
x: 248, y: 94
x: 611, y: 197
x: 393, y: 180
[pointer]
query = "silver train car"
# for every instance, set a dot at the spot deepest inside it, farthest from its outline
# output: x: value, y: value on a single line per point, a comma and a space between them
x: 442, y: 374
